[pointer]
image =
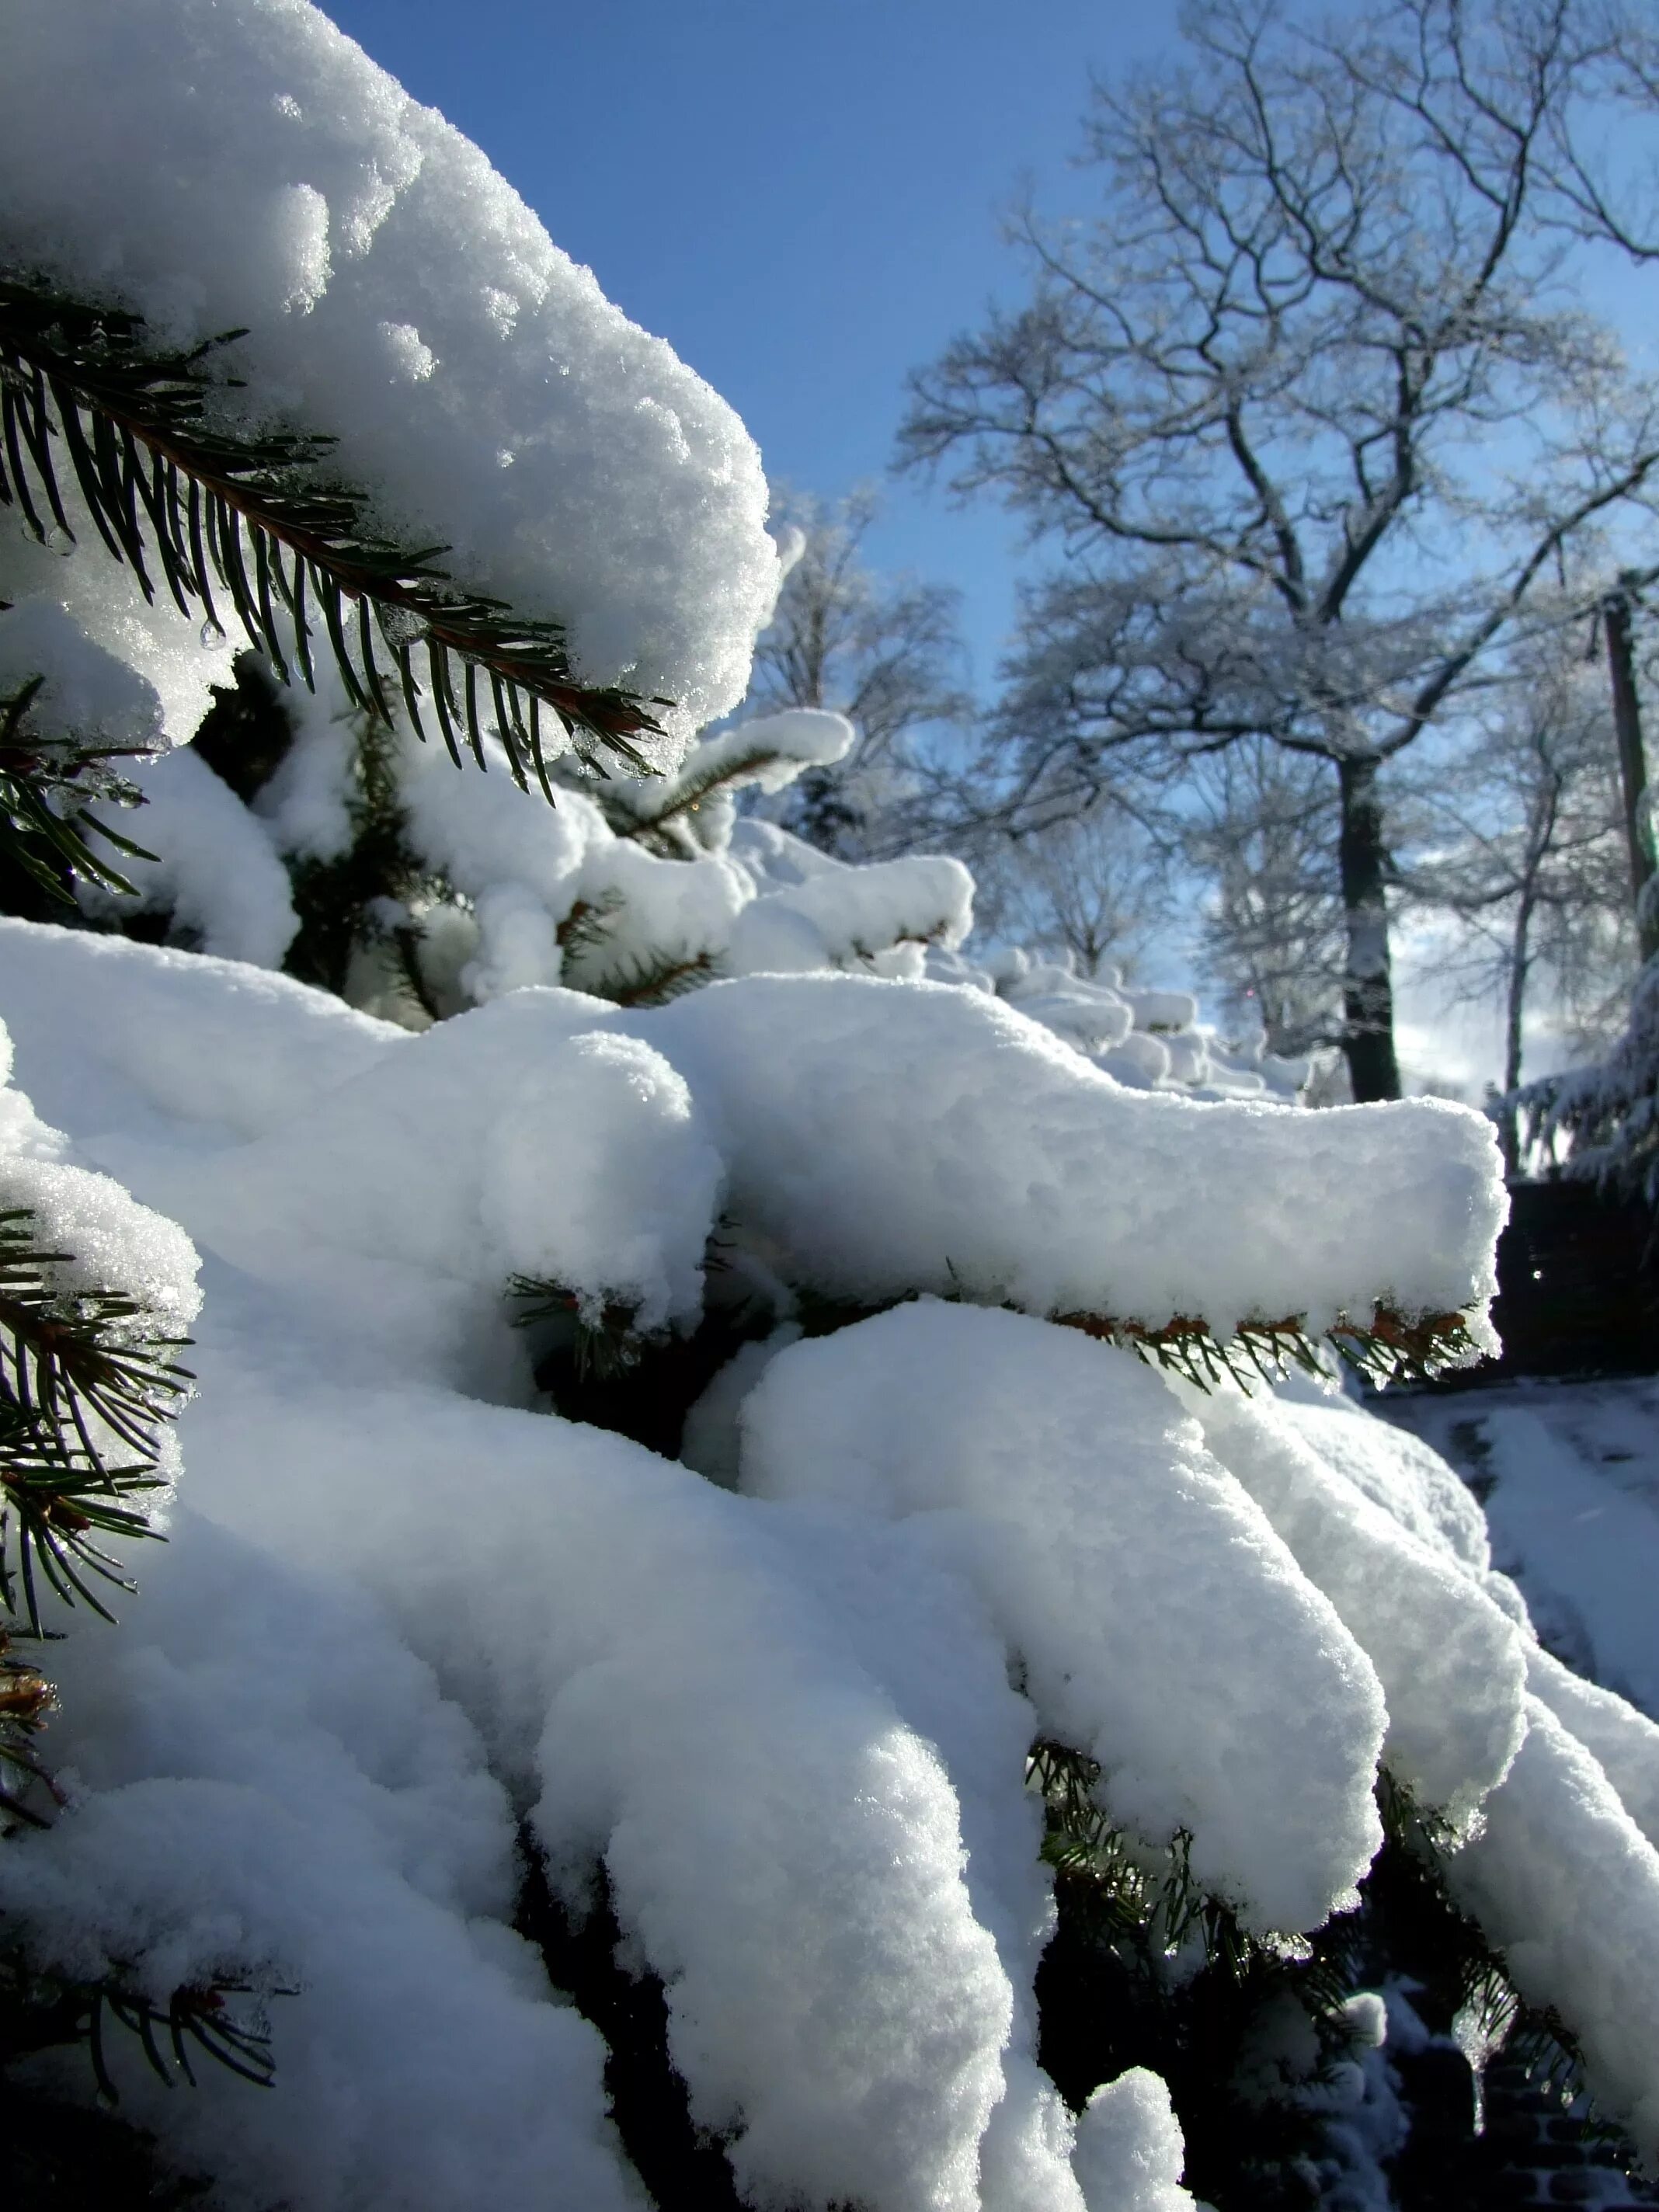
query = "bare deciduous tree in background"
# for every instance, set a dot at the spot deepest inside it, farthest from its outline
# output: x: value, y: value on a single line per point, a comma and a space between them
x: 1096, y: 889
x: 1313, y: 410
x: 1531, y: 862
x: 1261, y: 840
x: 882, y: 650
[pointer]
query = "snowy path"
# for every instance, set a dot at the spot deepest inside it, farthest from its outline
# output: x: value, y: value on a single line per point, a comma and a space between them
x: 1569, y: 1476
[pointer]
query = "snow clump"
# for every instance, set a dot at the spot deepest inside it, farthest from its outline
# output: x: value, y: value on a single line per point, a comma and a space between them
x: 399, y: 297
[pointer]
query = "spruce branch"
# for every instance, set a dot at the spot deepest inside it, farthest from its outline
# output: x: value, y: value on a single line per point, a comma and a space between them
x: 47, y: 787
x: 644, y: 979
x: 605, y: 1341
x: 256, y: 514
x: 1391, y: 1347
x: 1138, y: 1898
x: 654, y: 981
x: 26, y: 1699
x: 1493, y: 2015
x: 82, y: 1378
x: 660, y: 826
x: 195, y: 2014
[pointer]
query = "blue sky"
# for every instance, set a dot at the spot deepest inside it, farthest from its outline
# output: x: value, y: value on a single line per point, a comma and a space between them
x: 804, y: 200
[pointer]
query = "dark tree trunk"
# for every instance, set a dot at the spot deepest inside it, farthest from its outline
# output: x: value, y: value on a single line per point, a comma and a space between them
x: 1632, y: 766
x: 1508, y: 1126
x: 1367, y: 989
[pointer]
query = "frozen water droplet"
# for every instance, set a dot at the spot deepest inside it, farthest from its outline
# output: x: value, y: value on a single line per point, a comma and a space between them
x: 212, y: 633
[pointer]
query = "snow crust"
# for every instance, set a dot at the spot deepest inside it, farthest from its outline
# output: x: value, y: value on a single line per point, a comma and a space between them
x: 400, y: 295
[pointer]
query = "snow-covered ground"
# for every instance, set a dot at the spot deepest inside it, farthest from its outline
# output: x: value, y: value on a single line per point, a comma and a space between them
x: 1569, y: 1476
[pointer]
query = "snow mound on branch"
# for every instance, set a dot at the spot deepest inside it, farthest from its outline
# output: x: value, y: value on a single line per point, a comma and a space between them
x: 1623, y: 1742
x: 1564, y: 1881
x: 1129, y: 2151
x: 1452, y: 1664
x: 651, y: 1662
x: 785, y: 1725
x: 857, y: 914
x: 503, y: 1145
x: 400, y: 295
x: 214, y: 870
x: 999, y: 1166
x: 1061, y: 1480
x: 106, y: 1237
x: 270, y: 1791
x: 767, y: 752
x: 164, y: 1038
x: 547, y: 895
x: 87, y: 695
x: 1150, y: 1040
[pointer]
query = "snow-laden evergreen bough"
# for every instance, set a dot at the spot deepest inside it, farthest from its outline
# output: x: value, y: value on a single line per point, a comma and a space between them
x: 914, y: 1298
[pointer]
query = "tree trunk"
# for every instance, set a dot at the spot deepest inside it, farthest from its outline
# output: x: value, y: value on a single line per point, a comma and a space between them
x: 1367, y: 989
x: 1632, y: 768
x: 1508, y: 1128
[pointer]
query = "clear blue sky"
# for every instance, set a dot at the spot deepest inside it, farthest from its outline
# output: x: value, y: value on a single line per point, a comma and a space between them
x: 804, y: 200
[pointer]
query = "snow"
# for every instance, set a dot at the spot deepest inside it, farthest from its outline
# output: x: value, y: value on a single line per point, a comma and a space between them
x: 1059, y: 1477
x: 792, y: 1724
x: 1150, y: 1040
x: 1001, y: 1166
x: 1452, y: 1663
x: 88, y: 695
x: 164, y: 1039
x: 524, y: 873
x: 669, y: 1673
x: 782, y: 1702
x: 578, y: 1159
x: 1623, y: 1742
x: 849, y: 914
x: 304, y: 1812
x: 172, y: 664
x: 399, y: 295
x: 1569, y: 1479
x: 305, y: 804
x: 1564, y: 1881
x: 103, y: 1234
x: 1129, y: 2151
x: 214, y: 870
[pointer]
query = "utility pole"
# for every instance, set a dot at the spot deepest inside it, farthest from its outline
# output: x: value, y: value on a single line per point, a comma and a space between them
x: 1617, y: 611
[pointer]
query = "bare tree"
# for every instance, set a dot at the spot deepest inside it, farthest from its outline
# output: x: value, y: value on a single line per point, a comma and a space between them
x: 1531, y: 860
x: 882, y: 650
x: 1096, y: 888
x: 1314, y: 409
x: 1259, y: 842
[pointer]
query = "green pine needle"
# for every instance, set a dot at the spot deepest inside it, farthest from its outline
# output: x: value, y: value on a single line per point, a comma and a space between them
x: 256, y: 516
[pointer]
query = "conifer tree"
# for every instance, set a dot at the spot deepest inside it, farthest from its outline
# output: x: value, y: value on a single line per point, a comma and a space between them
x: 974, y: 1563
